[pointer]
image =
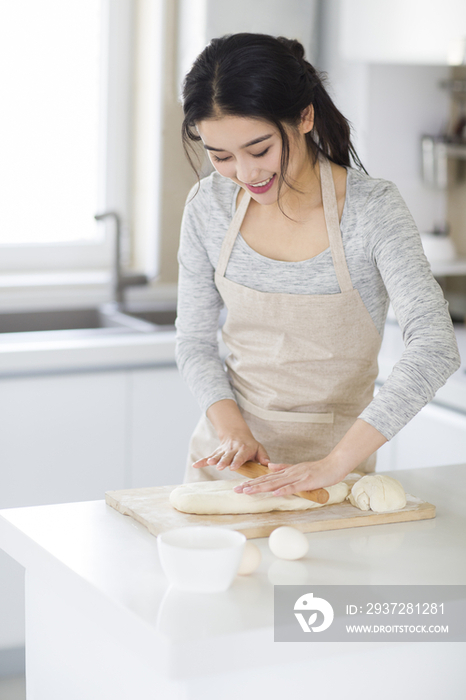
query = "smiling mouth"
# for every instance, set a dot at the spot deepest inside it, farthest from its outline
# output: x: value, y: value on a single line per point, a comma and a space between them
x: 260, y: 184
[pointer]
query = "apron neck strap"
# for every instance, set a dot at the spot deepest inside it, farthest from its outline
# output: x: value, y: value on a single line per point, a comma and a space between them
x: 230, y: 238
x: 329, y: 201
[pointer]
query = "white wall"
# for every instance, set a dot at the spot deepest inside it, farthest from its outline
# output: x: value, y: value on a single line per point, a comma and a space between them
x: 202, y: 20
x: 403, y: 103
x: 390, y: 107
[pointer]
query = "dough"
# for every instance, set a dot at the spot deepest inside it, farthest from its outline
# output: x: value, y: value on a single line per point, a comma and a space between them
x: 377, y: 492
x: 218, y: 498
x: 288, y: 543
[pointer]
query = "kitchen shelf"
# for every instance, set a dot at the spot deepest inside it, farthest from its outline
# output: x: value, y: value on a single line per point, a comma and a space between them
x: 435, y: 152
x: 455, y: 150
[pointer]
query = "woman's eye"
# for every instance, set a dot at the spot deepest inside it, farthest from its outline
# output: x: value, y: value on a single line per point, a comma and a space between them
x: 254, y: 155
x: 259, y: 155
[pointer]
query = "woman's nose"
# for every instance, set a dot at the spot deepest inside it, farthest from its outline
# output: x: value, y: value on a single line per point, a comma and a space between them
x: 246, y: 173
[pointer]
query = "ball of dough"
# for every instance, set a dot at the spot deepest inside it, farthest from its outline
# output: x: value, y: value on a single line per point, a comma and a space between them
x: 288, y: 543
x: 250, y: 560
x: 379, y: 493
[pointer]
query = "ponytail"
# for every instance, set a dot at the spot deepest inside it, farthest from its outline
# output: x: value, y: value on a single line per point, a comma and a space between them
x: 331, y: 134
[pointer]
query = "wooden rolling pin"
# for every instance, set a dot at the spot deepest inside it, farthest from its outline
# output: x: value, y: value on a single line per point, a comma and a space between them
x: 254, y: 469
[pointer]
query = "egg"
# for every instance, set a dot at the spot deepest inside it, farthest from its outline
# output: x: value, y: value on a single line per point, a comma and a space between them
x: 250, y: 560
x: 288, y: 543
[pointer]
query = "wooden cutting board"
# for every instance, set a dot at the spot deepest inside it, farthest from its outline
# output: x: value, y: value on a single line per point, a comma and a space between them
x: 151, y: 507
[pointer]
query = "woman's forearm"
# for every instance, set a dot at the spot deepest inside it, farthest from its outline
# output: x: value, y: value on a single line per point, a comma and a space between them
x: 359, y: 443
x: 227, y: 420
x: 237, y: 445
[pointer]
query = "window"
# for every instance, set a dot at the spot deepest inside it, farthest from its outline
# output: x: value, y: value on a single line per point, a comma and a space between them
x: 65, y: 80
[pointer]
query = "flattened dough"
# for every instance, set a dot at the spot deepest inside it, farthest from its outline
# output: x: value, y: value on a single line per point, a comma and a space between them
x: 218, y: 498
x: 379, y: 493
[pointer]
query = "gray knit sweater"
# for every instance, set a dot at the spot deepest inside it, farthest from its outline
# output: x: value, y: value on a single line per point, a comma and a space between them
x: 386, y: 263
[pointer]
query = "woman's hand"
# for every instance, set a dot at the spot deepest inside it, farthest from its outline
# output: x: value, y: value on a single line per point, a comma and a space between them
x: 358, y: 444
x: 287, y: 479
x: 237, y: 443
x: 234, y: 451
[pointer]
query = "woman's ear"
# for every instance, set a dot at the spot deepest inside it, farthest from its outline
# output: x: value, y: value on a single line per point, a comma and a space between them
x: 307, y: 119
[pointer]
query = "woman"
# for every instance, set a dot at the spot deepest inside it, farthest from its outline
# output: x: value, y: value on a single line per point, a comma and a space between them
x: 305, y: 252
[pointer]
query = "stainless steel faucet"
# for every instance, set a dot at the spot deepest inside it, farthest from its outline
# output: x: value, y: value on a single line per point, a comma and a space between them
x: 120, y: 279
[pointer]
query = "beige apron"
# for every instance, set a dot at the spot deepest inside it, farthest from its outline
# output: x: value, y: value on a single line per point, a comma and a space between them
x: 302, y: 366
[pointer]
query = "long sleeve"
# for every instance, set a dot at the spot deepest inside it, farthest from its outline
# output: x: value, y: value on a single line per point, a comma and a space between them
x: 199, y: 307
x: 431, y: 352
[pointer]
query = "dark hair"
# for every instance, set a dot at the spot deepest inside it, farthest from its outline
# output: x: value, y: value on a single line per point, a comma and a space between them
x: 264, y: 77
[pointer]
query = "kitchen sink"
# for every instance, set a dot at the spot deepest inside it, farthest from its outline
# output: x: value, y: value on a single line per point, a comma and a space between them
x: 68, y: 324
x: 53, y: 320
x: 161, y: 314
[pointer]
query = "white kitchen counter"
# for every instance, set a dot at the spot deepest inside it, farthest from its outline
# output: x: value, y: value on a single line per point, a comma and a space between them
x: 101, y: 622
x: 87, y: 354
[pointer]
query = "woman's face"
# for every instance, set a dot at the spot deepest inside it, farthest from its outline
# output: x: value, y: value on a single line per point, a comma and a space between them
x: 248, y: 151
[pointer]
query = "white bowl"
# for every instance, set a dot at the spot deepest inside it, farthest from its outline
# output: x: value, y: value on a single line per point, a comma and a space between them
x: 201, y: 558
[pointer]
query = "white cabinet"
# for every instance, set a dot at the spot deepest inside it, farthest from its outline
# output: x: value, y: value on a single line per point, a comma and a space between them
x: 403, y: 31
x: 163, y: 416
x: 62, y: 437
x: 11, y: 612
x: 435, y: 436
x: 72, y: 437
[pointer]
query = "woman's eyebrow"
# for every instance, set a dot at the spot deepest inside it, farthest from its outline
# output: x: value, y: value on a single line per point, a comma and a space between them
x: 250, y: 143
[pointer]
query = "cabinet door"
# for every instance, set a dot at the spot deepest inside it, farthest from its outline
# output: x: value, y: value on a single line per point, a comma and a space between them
x: 402, y: 31
x: 163, y: 416
x: 11, y: 615
x: 434, y: 437
x: 62, y: 438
